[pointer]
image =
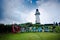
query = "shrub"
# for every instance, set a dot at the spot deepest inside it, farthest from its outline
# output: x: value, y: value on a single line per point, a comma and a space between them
x: 57, y: 29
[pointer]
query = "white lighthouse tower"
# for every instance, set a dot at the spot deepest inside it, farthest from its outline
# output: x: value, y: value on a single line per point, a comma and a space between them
x: 37, y: 14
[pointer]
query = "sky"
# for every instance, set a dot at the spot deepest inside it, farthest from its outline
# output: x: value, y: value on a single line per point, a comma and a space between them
x: 23, y: 11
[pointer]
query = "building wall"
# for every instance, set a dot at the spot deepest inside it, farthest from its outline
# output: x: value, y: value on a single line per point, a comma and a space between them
x: 37, y: 19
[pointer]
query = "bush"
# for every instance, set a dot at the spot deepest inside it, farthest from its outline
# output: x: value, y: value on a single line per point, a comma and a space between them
x: 57, y: 29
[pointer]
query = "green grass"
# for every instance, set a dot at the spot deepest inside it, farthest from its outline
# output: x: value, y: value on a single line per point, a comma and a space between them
x: 30, y: 36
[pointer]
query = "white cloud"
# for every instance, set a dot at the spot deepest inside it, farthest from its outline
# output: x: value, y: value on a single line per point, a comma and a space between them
x: 40, y: 2
x: 50, y: 12
x: 15, y: 11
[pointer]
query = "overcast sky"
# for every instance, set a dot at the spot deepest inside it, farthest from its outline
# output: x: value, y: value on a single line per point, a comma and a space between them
x: 22, y: 11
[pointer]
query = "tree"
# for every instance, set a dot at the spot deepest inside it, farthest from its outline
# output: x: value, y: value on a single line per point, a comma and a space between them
x: 1, y: 28
x: 29, y: 24
x: 56, y: 23
x: 59, y: 23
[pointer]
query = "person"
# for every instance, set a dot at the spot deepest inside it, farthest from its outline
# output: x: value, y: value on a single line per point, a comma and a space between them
x: 46, y: 29
x: 15, y: 28
x: 22, y: 29
x: 39, y: 29
x: 34, y: 29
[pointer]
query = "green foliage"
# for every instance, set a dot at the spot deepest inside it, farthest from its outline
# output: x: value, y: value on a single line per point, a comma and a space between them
x: 5, y: 28
x: 26, y: 24
x: 57, y: 29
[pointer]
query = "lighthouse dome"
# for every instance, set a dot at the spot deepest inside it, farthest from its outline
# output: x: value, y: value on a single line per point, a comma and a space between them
x: 37, y: 12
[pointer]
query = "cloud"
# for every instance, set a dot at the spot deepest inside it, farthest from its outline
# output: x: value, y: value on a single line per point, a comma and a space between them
x: 21, y: 11
x: 50, y: 12
x: 13, y: 11
x: 40, y: 2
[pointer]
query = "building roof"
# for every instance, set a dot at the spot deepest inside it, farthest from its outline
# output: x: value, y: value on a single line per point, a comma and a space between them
x: 37, y: 12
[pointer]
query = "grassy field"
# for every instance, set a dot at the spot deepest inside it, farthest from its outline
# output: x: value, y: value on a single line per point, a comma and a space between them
x: 30, y: 36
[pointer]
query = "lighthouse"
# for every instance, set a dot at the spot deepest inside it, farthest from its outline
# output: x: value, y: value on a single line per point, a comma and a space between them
x: 37, y: 14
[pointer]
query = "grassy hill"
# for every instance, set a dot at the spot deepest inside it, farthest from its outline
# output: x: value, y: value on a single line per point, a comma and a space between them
x: 31, y: 36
